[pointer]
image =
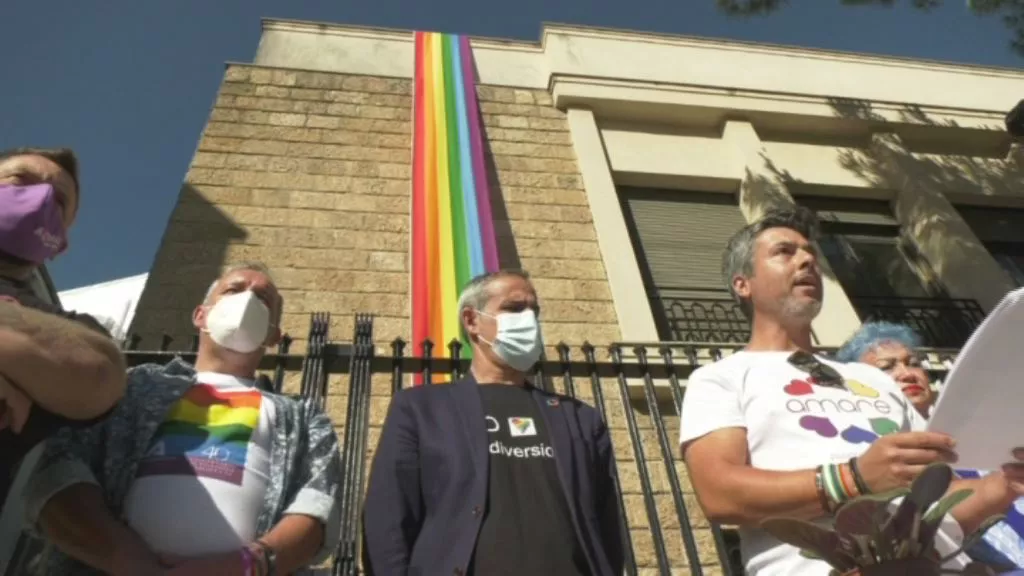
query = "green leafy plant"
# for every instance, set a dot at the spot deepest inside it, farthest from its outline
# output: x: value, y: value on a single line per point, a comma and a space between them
x: 869, y: 540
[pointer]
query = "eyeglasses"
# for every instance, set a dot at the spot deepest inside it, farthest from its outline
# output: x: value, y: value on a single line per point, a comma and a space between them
x: 823, y: 374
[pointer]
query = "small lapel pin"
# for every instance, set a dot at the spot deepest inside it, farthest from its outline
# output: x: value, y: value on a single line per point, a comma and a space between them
x: 552, y: 401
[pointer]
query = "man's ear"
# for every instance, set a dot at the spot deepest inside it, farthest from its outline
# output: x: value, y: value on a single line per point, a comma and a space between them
x: 741, y: 286
x: 469, y: 318
x: 199, y: 317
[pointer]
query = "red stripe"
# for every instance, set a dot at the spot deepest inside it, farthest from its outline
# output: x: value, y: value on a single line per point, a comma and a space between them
x: 420, y: 276
x: 204, y: 395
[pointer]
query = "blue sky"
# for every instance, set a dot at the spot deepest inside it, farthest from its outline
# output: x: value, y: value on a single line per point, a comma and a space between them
x: 129, y: 84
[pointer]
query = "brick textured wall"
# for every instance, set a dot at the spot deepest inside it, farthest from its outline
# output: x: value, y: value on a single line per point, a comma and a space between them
x: 310, y: 173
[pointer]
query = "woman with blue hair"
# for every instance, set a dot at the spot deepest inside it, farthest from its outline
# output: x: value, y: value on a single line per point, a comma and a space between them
x: 893, y: 348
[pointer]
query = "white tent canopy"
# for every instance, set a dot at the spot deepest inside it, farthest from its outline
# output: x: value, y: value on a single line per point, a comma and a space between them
x: 112, y: 303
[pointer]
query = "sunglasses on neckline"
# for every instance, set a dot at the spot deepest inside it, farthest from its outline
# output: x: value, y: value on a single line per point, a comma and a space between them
x: 823, y: 374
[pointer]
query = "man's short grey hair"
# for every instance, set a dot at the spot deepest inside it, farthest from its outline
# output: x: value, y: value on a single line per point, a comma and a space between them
x: 738, y: 259
x: 255, y: 267
x: 476, y: 293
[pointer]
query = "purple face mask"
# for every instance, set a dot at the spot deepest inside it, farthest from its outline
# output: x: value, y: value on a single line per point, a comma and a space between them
x: 31, y: 225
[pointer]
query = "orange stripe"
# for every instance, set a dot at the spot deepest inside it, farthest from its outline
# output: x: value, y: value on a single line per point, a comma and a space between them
x: 206, y: 395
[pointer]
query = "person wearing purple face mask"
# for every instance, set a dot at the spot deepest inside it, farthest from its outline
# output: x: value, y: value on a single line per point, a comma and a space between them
x: 57, y: 368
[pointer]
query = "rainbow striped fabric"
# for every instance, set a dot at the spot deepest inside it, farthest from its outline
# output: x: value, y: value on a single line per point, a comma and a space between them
x: 206, y: 434
x: 453, y: 236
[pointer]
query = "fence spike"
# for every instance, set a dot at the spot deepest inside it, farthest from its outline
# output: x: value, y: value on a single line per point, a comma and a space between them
x: 455, y: 354
x: 397, y: 371
x: 398, y: 347
x: 133, y: 342
x: 428, y: 361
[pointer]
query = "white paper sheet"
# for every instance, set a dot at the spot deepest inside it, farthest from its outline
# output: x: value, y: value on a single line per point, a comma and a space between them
x: 982, y: 400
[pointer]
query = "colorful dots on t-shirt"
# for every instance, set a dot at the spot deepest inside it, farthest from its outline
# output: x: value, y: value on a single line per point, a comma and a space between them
x: 858, y: 435
x: 826, y: 428
x: 884, y: 426
x: 819, y: 424
x: 879, y: 427
x: 861, y: 389
x: 798, y: 388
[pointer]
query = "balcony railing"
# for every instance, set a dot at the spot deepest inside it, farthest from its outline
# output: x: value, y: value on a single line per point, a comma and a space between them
x: 711, y: 315
x: 698, y: 315
x: 941, y: 322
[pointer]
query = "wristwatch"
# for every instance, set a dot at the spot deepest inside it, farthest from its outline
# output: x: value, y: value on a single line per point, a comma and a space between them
x: 271, y: 557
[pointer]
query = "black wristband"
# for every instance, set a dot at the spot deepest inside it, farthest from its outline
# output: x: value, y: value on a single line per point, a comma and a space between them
x: 862, y: 486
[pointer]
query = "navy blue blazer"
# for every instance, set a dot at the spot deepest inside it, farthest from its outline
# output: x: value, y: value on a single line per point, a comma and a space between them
x: 428, y: 484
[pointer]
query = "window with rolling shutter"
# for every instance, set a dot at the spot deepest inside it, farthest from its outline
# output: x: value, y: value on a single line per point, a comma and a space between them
x: 1001, y: 231
x: 678, y: 238
x: 884, y: 275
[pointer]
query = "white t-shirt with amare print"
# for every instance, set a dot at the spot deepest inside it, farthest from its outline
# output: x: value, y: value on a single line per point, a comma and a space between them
x: 794, y: 424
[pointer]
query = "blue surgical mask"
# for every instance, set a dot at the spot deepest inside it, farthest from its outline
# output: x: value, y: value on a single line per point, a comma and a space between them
x: 517, y: 342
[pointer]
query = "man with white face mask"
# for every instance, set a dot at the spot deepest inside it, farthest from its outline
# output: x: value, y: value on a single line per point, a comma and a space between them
x: 197, y: 472
x: 490, y: 475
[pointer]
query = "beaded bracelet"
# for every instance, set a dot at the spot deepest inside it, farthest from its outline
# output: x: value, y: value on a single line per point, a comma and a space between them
x: 819, y: 483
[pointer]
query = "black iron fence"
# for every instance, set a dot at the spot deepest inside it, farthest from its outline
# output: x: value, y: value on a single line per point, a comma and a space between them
x: 636, y: 387
x: 711, y: 315
x: 941, y: 322
x: 698, y: 315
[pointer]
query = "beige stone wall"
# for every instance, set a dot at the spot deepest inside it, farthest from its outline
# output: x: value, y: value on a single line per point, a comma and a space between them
x: 310, y: 173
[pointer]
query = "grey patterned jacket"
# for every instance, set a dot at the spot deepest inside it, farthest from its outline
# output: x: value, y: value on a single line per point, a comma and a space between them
x: 305, y: 463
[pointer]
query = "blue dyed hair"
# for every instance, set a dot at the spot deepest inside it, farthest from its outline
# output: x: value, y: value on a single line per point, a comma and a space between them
x: 874, y: 333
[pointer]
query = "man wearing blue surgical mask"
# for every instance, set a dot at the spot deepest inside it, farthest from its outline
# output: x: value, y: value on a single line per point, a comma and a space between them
x: 197, y: 472
x: 489, y: 475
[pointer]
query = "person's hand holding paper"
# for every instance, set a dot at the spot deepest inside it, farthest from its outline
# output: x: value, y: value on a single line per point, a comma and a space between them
x: 894, y: 460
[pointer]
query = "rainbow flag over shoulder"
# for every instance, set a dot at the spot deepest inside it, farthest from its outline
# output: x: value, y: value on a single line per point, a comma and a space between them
x: 453, y: 236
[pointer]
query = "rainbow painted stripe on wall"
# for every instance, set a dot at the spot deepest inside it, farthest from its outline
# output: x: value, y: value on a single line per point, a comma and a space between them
x: 453, y: 236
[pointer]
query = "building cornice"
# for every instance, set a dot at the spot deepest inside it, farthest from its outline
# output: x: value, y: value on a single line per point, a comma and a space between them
x: 730, y: 45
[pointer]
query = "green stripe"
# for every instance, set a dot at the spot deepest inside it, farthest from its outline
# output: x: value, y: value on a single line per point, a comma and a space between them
x: 838, y: 494
x: 459, y: 239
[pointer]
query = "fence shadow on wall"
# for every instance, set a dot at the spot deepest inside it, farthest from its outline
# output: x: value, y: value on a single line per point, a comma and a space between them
x: 193, y: 251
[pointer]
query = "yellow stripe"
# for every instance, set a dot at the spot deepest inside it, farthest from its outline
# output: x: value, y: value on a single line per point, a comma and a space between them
x: 214, y: 415
x: 449, y: 316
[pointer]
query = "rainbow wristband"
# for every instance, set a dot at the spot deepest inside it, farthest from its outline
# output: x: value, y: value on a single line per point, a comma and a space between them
x: 837, y: 488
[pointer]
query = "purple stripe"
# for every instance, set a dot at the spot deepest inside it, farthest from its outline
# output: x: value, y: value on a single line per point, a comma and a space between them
x: 483, y: 191
x: 191, y: 466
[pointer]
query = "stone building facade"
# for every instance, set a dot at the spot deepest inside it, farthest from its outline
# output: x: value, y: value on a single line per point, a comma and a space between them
x: 305, y: 165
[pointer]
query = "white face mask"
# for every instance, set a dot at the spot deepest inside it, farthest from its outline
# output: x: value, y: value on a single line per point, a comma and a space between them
x: 239, y: 322
x: 517, y: 341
